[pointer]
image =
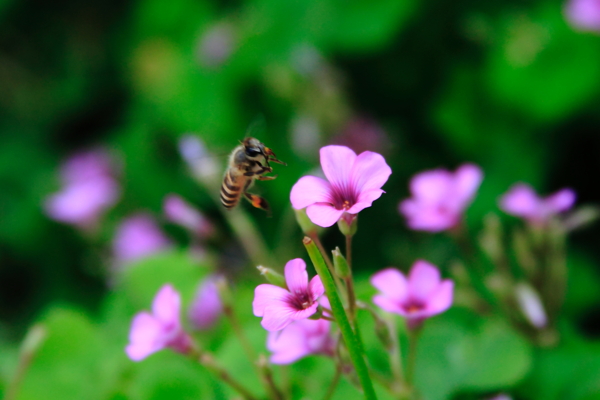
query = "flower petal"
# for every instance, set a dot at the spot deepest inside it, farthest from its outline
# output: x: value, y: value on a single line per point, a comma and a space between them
x: 468, y: 179
x: 561, y: 201
x: 431, y: 186
x: 277, y: 317
x: 145, y: 337
x: 337, y: 163
x: 389, y: 305
x: 323, y: 215
x: 423, y: 280
x: 370, y: 171
x: 296, y: 276
x: 316, y: 288
x: 310, y: 190
x: 441, y: 299
x: 391, y: 283
x: 521, y: 201
x: 165, y: 306
x: 365, y: 199
x: 265, y: 295
x: 288, y: 345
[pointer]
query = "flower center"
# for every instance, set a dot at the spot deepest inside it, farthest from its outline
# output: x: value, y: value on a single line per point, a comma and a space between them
x: 413, y: 306
x: 300, y: 300
x: 344, y: 198
x: 346, y: 205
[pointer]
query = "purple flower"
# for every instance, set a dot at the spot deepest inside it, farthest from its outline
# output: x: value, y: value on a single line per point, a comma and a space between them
x: 354, y: 182
x: 439, y: 197
x: 151, y: 332
x: 421, y: 296
x: 89, y: 189
x: 182, y: 213
x: 137, y: 237
x: 279, y: 307
x: 300, y: 339
x: 207, y: 306
x: 584, y: 14
x: 522, y: 201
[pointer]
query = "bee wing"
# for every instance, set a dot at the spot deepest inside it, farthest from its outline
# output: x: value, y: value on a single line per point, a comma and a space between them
x: 257, y: 128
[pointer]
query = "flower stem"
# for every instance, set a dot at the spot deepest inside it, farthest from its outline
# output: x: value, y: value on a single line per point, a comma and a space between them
x: 350, y: 282
x: 209, y: 363
x: 413, y: 338
x: 237, y: 329
x: 31, y: 344
x: 315, y: 238
x: 350, y: 338
x: 267, y: 376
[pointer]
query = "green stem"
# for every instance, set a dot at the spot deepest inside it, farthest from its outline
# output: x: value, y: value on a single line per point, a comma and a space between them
x: 395, y: 352
x: 413, y: 338
x: 237, y: 329
x: 31, y: 344
x: 350, y: 282
x: 209, y: 363
x: 351, y: 340
x: 315, y: 238
x: 267, y: 376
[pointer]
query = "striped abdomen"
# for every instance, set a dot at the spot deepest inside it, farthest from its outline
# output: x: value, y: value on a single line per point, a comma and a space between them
x: 231, y: 189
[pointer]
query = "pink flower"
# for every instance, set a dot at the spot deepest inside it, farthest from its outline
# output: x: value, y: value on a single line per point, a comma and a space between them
x: 421, y: 296
x: 151, y: 332
x: 439, y: 197
x: 522, y: 201
x: 279, y: 307
x: 182, y: 213
x: 354, y: 182
x: 207, y: 306
x: 584, y: 14
x: 89, y: 189
x: 300, y: 339
x: 137, y: 237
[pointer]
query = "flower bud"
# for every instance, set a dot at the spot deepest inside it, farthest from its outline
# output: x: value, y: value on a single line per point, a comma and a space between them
x: 531, y: 305
x: 342, y: 269
x: 308, y: 228
x: 348, y: 224
x: 272, y: 277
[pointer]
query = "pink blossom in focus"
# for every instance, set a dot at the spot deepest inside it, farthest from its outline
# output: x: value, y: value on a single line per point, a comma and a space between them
x: 151, y: 332
x: 300, y: 339
x: 207, y: 306
x: 353, y: 183
x: 182, y: 213
x: 584, y: 14
x: 89, y: 189
x: 137, y: 237
x: 279, y: 307
x: 522, y: 201
x: 439, y: 197
x: 422, y: 295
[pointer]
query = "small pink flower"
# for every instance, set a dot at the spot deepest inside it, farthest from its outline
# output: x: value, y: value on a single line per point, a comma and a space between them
x: 522, y: 201
x: 439, y: 197
x: 137, y: 237
x: 207, y: 306
x: 354, y: 182
x: 151, y: 332
x: 421, y: 296
x: 89, y: 189
x: 280, y: 307
x: 182, y: 213
x: 300, y: 339
x: 584, y: 14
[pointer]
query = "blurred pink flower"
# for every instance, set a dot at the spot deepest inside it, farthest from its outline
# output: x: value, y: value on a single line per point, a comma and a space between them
x: 584, y: 14
x: 421, y: 296
x: 89, y: 189
x: 137, y: 237
x: 279, y: 307
x: 300, y: 339
x: 207, y: 306
x: 151, y: 332
x: 522, y: 201
x: 362, y: 133
x: 216, y: 45
x: 182, y: 213
x: 354, y: 182
x: 439, y: 197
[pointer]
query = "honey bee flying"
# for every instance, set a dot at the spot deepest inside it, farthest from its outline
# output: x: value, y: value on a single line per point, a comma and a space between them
x: 248, y: 161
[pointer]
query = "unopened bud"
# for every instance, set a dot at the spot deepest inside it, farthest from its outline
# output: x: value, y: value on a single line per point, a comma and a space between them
x: 348, y: 224
x: 308, y: 228
x: 272, y: 277
x: 531, y: 305
x: 342, y: 269
x: 33, y: 340
x: 581, y: 217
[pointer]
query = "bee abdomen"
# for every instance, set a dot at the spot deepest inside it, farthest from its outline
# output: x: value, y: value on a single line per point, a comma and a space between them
x: 230, y: 191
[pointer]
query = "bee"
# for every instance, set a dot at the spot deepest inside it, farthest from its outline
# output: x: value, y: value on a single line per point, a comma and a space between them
x: 248, y: 162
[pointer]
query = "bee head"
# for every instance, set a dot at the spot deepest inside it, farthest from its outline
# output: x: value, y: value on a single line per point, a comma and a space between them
x: 252, y: 147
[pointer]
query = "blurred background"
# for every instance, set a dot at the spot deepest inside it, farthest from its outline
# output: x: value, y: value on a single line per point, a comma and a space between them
x: 512, y: 86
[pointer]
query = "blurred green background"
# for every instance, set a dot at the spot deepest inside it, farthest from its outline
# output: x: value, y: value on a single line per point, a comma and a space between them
x: 508, y: 85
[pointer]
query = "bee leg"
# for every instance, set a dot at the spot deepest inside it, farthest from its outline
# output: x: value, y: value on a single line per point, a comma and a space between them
x: 263, y: 170
x: 258, y: 202
x: 266, y: 178
x: 276, y: 161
